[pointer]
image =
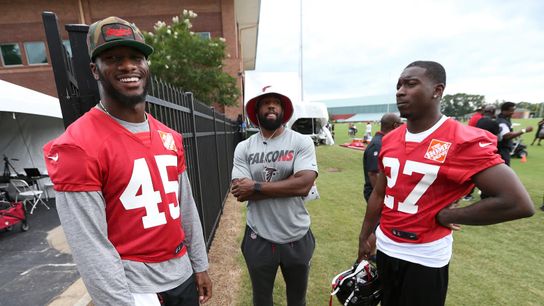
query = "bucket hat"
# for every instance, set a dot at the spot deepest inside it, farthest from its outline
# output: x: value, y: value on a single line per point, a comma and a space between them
x: 286, y: 104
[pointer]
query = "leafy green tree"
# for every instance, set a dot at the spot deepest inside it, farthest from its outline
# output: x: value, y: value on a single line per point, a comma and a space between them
x: 460, y: 104
x: 190, y: 61
x: 532, y: 107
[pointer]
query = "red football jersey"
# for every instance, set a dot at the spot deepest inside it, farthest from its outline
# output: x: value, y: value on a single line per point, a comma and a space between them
x: 137, y: 177
x: 425, y: 177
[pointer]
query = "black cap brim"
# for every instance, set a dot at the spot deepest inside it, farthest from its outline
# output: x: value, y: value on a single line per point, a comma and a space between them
x: 146, y: 49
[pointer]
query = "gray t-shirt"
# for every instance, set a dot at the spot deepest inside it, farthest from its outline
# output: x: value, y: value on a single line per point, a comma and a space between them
x: 282, y: 219
x: 108, y: 278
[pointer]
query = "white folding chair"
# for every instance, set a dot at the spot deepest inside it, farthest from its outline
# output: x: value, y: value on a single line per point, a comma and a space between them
x: 46, y: 186
x: 27, y: 194
x: 49, y: 191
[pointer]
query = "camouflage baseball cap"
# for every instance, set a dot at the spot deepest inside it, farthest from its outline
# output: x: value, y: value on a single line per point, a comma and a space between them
x: 112, y: 32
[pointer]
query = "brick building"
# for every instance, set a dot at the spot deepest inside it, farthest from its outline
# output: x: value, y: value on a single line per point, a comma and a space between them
x: 24, y: 59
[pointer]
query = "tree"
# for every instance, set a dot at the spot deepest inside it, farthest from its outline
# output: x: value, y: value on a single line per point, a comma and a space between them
x: 187, y: 60
x: 532, y: 107
x: 460, y: 104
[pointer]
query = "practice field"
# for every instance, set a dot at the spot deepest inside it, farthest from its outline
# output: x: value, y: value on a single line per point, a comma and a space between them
x: 492, y: 265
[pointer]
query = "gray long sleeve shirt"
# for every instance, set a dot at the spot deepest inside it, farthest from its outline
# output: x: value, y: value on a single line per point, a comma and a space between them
x: 109, y: 279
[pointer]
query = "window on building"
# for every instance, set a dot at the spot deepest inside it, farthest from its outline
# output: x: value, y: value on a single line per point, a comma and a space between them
x: 11, y: 54
x: 204, y: 35
x: 67, y: 46
x: 35, y: 52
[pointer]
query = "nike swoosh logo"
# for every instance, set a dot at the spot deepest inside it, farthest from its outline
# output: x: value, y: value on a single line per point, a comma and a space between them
x: 482, y: 145
x: 54, y: 157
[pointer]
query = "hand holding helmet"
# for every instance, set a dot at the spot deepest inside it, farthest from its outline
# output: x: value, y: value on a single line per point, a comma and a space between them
x: 358, y: 286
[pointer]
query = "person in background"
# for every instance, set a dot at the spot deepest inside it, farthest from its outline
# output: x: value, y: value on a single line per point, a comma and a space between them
x: 273, y: 170
x: 241, y: 126
x: 123, y: 195
x: 426, y: 165
x: 488, y: 123
x: 478, y: 114
x: 506, y: 133
x: 389, y: 122
x: 472, y: 122
x: 352, y: 129
x: 368, y: 131
x: 539, y: 132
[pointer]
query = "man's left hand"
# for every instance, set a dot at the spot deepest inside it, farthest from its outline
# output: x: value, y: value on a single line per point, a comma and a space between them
x: 452, y: 226
x: 204, y: 286
x: 243, y: 189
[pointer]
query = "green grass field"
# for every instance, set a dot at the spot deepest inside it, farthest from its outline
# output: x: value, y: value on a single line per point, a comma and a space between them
x: 492, y: 265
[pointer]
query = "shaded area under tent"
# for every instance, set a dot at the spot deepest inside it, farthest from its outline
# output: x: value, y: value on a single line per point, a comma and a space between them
x: 28, y: 120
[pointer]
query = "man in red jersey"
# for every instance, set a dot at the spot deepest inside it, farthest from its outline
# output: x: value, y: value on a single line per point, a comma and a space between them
x: 478, y: 114
x: 425, y: 166
x: 123, y: 195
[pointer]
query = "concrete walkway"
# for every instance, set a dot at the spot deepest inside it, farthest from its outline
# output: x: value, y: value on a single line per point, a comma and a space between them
x: 76, y: 294
x: 36, y: 266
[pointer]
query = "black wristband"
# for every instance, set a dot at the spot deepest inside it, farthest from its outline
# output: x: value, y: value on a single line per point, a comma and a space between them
x: 257, y: 187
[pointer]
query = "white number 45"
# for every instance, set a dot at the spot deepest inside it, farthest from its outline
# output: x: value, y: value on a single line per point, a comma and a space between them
x: 409, y: 205
x: 149, y: 197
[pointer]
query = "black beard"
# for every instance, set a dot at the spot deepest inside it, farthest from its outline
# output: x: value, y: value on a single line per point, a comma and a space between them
x: 270, y: 125
x: 405, y: 115
x: 118, y: 96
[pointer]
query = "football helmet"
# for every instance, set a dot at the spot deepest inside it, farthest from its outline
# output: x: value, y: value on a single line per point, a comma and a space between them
x: 358, y: 286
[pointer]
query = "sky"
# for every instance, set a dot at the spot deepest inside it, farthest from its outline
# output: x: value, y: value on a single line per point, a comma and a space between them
x: 356, y: 48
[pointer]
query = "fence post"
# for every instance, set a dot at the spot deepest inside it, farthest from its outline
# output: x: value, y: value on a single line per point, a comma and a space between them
x: 60, y: 63
x: 86, y: 84
x: 225, y: 137
x: 197, y: 162
x: 217, y: 158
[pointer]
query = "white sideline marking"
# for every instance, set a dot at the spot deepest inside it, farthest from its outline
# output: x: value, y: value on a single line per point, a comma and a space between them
x: 48, y: 265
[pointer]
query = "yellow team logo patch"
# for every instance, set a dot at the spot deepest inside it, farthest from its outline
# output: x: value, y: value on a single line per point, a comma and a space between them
x: 438, y: 150
x: 168, y: 141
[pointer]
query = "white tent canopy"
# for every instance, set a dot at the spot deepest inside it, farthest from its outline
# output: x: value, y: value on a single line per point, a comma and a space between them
x: 28, y: 120
x: 20, y: 99
x: 310, y: 110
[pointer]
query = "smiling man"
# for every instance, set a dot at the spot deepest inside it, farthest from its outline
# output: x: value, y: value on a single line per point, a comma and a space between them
x: 425, y: 166
x: 273, y: 170
x: 123, y: 195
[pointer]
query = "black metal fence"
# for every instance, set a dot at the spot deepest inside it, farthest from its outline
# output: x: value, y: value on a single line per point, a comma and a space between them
x: 209, y: 138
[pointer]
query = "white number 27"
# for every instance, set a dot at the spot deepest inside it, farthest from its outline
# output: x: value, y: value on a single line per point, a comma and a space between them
x: 149, y: 198
x: 409, y: 205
